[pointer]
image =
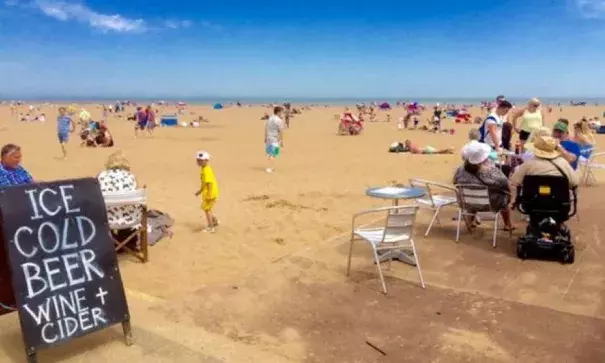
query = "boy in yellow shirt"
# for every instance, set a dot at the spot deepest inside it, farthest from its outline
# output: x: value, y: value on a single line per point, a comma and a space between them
x: 208, y: 189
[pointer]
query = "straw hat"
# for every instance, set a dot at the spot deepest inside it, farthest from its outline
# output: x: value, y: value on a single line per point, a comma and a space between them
x: 545, y: 147
x: 117, y: 160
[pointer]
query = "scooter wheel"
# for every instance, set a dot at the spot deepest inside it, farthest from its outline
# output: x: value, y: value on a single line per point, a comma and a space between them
x: 521, y: 252
x: 569, y: 256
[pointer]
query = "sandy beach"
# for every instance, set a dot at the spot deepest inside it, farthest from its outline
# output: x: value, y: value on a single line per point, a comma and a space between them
x: 304, y: 207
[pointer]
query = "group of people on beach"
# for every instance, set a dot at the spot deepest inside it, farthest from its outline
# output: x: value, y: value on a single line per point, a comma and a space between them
x: 489, y: 159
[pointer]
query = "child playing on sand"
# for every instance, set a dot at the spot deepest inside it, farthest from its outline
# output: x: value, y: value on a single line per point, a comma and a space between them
x: 274, y: 136
x: 65, y: 125
x: 208, y: 190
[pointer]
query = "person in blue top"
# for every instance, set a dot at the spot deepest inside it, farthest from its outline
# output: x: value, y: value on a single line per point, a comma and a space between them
x: 11, y: 171
x: 571, y: 150
x: 65, y: 125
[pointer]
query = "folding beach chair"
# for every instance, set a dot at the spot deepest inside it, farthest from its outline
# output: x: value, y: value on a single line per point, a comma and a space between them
x: 474, y: 201
x: 589, y: 164
x: 393, y: 237
x: 437, y: 196
x: 137, y: 221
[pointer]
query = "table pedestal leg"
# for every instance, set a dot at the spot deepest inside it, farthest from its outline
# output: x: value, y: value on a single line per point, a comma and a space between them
x: 402, y: 256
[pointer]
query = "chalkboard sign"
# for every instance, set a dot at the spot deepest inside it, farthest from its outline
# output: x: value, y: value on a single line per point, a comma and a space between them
x: 63, y: 265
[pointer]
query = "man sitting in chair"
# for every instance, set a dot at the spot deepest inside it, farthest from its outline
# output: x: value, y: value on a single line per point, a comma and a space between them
x: 546, y: 161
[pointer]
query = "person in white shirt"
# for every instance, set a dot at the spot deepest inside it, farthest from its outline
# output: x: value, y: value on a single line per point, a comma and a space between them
x: 492, y: 126
x: 274, y: 139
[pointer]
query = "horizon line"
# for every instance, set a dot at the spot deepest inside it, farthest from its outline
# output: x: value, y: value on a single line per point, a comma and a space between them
x: 4, y: 98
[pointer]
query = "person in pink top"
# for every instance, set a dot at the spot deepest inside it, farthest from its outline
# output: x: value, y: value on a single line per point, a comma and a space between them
x: 150, y: 120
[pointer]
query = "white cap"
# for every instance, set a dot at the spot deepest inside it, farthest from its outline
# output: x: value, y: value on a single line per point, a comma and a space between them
x: 476, y: 152
x: 202, y: 155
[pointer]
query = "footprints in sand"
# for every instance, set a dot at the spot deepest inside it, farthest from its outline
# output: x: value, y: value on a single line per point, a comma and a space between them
x: 256, y: 198
x: 477, y: 346
x: 286, y: 210
x: 281, y: 203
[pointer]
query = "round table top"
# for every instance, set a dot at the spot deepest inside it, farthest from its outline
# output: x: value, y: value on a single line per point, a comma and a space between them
x: 396, y: 192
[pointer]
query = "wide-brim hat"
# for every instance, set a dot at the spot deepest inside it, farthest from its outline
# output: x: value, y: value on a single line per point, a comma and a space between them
x: 545, y: 147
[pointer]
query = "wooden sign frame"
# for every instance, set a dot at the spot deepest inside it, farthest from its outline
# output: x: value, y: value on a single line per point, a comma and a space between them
x: 63, y: 267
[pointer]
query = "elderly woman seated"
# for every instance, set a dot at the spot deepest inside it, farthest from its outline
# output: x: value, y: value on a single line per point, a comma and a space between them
x: 117, y: 177
x: 478, y: 169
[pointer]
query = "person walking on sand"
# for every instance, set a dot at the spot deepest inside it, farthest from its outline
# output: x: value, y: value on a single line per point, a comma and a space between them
x: 141, y: 119
x: 274, y: 136
x: 208, y: 190
x: 532, y: 118
x: 287, y: 113
x: 150, y: 120
x: 65, y: 126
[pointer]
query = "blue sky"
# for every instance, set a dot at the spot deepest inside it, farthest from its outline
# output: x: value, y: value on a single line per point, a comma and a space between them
x: 312, y: 48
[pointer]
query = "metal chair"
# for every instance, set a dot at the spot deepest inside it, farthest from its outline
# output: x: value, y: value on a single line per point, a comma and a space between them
x: 474, y: 201
x: 395, y: 235
x: 438, y: 196
x: 589, y: 165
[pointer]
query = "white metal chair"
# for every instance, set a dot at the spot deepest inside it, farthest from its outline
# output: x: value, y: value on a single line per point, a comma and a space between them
x: 438, y: 196
x: 474, y: 202
x: 136, y: 219
x: 394, y: 236
x: 589, y: 165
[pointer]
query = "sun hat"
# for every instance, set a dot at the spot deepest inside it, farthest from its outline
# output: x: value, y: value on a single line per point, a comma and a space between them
x: 560, y: 126
x: 202, y: 155
x: 476, y: 152
x: 545, y: 147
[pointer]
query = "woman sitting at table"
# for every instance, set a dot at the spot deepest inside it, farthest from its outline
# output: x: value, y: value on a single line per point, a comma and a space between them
x: 479, y: 170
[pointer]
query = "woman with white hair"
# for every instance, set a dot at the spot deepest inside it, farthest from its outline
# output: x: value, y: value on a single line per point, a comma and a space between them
x: 117, y: 177
x: 478, y: 169
x: 531, y: 117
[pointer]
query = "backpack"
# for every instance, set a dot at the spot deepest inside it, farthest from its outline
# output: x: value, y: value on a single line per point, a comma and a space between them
x: 483, y: 129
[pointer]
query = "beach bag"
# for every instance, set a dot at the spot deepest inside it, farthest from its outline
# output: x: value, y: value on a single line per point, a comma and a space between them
x: 483, y: 128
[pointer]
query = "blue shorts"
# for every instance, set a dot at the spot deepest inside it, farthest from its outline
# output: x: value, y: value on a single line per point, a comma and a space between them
x: 272, y: 150
x: 63, y: 137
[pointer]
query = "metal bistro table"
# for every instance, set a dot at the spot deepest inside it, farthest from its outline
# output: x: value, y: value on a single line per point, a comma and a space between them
x: 397, y: 193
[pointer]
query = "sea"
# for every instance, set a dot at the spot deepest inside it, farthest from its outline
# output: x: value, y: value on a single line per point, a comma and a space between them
x: 590, y: 101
